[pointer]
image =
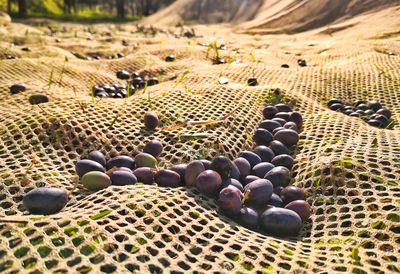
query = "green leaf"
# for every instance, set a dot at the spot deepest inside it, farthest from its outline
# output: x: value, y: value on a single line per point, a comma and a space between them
x: 101, y: 214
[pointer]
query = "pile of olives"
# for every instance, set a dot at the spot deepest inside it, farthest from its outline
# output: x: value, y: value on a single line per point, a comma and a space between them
x: 137, y: 81
x: 371, y: 112
x: 253, y: 189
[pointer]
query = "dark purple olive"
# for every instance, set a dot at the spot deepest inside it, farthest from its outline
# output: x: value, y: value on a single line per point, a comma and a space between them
x: 97, y: 156
x: 369, y: 112
x: 283, y: 160
x: 252, y: 81
x: 121, y: 161
x: 291, y: 125
x: 230, y: 201
x: 336, y: 107
x: 302, y: 63
x: 45, y: 200
x: 154, y: 148
x: 334, y: 101
x: 248, y: 217
x: 385, y: 112
x: 233, y: 182
x: 84, y: 166
x: 297, y: 118
x: 17, y: 88
x: 278, y: 190
x: 135, y: 74
x: 206, y: 164
x: 136, y: 81
x: 292, y: 193
x: 276, y: 201
x: 151, y: 120
x: 122, y: 178
x: 249, y: 179
x: 222, y: 165
x: 37, y: 99
x: 283, y: 115
x: 288, y: 137
x: 283, y: 108
x: 152, y: 81
x: 301, y: 207
x: 278, y: 148
x: 243, y: 166
x: 374, y: 105
x: 258, y: 192
x: 144, y: 175
x: 193, y: 170
x: 235, y: 172
x: 180, y: 169
x: 261, y: 169
x: 266, y: 154
x: 209, y: 182
x: 284, y: 66
x: 123, y: 75
x: 167, y: 178
x: 281, y: 121
x: 354, y: 114
x: 279, y: 176
x: 361, y: 112
x: 269, y: 125
x: 280, y: 222
x: 362, y: 107
x: 251, y: 157
x: 262, y: 137
x: 269, y: 112
x: 277, y: 129
x: 375, y: 123
x: 359, y: 102
x: 170, y: 58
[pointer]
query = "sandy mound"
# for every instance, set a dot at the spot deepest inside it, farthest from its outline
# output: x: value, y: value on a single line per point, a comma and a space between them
x: 274, y: 16
x: 206, y: 11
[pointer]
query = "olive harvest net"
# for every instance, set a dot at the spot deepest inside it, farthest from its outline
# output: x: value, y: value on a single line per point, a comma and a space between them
x: 350, y: 170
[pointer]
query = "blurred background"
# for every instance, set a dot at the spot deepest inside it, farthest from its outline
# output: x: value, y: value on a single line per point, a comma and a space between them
x: 82, y: 10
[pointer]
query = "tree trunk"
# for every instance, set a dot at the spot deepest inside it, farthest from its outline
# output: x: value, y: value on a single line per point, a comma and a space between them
x: 121, y: 9
x: 22, y: 8
x: 9, y: 7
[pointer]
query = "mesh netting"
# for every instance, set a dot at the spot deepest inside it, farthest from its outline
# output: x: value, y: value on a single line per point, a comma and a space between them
x: 349, y: 169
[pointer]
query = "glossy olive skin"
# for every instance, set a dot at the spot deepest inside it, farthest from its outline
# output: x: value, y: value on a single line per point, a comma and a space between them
x: 167, y: 178
x: 261, y: 169
x: 292, y: 193
x: 258, y: 192
x: 301, y: 207
x: 95, y: 180
x: 180, y: 169
x: 193, y: 170
x: 266, y: 154
x: 251, y: 157
x: 121, y: 161
x: 232, y: 182
x: 243, y: 166
x: 280, y: 222
x: 153, y: 148
x: 97, y: 156
x: 84, y: 166
x: 229, y: 201
x: 222, y: 165
x: 209, y: 182
x: 145, y: 160
x: 279, y: 176
x: 45, y: 200
x: 248, y: 217
x: 122, y: 178
x: 288, y: 137
x: 151, y: 120
x: 144, y: 175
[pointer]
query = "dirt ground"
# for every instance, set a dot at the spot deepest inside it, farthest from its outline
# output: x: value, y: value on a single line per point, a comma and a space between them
x: 350, y: 170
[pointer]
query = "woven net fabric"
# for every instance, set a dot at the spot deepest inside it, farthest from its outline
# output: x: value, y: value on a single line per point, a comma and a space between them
x: 350, y: 170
